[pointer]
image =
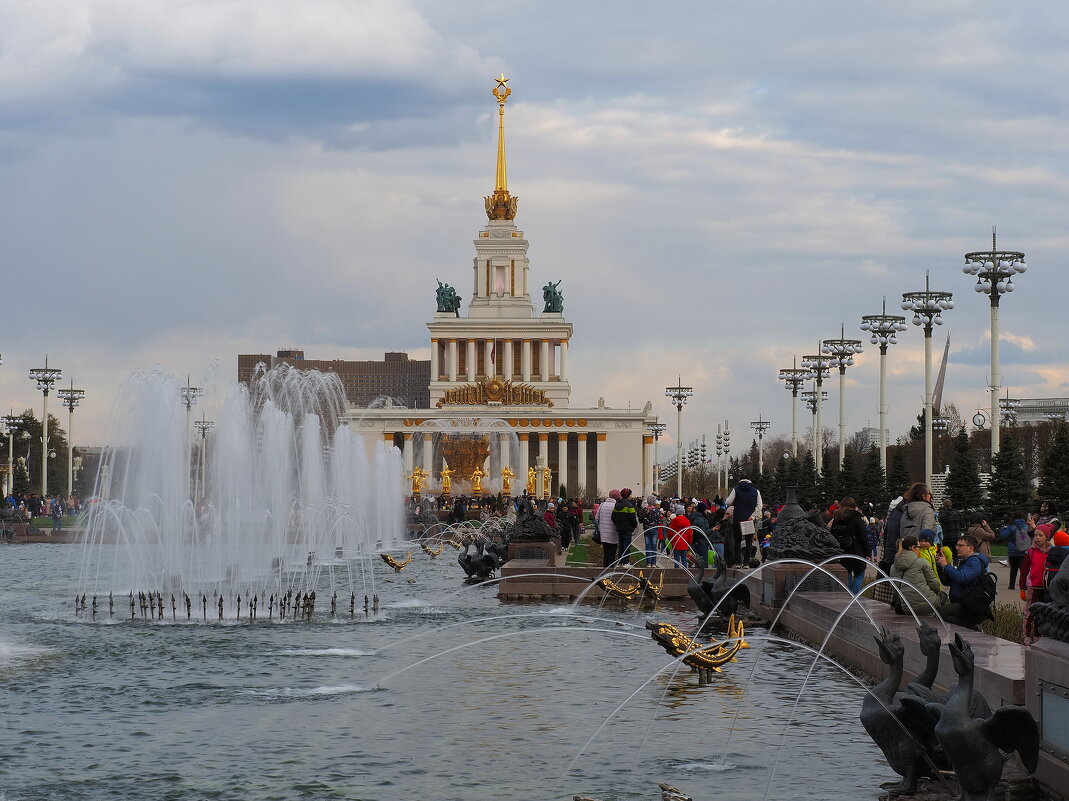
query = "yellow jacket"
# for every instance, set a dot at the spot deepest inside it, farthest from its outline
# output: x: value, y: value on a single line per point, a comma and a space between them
x: 929, y: 554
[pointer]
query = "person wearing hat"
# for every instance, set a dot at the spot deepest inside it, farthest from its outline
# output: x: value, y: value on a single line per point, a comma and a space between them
x: 1033, y: 567
x: 550, y: 516
x: 928, y: 549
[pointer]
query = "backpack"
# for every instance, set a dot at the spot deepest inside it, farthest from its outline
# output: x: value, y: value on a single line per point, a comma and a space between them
x: 1021, y: 540
x: 979, y: 594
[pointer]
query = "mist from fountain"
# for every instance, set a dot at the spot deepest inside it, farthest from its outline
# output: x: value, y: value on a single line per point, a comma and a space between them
x: 293, y: 500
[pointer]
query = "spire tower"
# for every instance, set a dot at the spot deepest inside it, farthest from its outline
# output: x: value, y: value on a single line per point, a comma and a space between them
x: 501, y: 205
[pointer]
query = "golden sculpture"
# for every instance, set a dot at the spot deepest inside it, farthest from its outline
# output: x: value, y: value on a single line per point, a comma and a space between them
x: 501, y: 205
x: 642, y: 587
x: 431, y: 552
x: 477, y: 480
x: 447, y: 479
x: 506, y: 479
x: 464, y: 452
x: 494, y: 391
x: 531, y: 478
x: 696, y: 656
x: 547, y: 480
x: 397, y: 566
x: 419, y: 478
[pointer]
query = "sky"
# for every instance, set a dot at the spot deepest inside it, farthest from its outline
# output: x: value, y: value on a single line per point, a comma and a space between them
x: 719, y: 186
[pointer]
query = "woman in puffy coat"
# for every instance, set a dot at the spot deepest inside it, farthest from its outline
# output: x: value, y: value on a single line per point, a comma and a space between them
x: 918, y: 512
x: 679, y: 538
x: 610, y: 539
x: 850, y: 528
x: 924, y: 591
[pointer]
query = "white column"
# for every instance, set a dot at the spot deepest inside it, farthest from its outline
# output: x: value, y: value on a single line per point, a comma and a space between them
x: 508, y: 360
x: 563, y: 360
x: 996, y: 379
x: 842, y: 416
x: 883, y: 408
x: 543, y: 448
x: 470, y: 358
x: 525, y: 360
x: 488, y: 359
x: 581, y: 465
x: 818, y: 430
x: 562, y: 461
x: 647, y: 443
x: 406, y: 454
x: 928, y: 405
x: 523, y: 465
x: 544, y: 371
x: 70, y: 452
x: 601, y: 466
x: 452, y: 360
x: 434, y: 360
x: 428, y: 453
x: 794, y: 424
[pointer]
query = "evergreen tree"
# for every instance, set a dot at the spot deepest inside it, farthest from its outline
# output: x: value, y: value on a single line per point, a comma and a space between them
x: 829, y: 480
x: 1010, y: 488
x: 872, y: 485
x: 963, y: 483
x: 806, y: 478
x: 1055, y: 482
x: 20, y: 485
x: 847, y: 478
x: 898, y: 480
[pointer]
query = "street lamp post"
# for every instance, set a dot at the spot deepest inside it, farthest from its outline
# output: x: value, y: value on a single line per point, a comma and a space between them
x: 819, y: 365
x: 656, y: 429
x: 842, y: 351
x: 809, y: 398
x: 189, y: 395
x: 794, y: 379
x: 994, y: 270
x: 70, y: 398
x: 679, y: 395
x: 760, y: 426
x: 884, y: 329
x: 45, y: 377
x: 11, y: 426
x: 928, y: 307
x: 1008, y: 409
x: 203, y: 427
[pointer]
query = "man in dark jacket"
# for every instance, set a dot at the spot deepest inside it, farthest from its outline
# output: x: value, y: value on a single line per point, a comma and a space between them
x: 951, y: 521
x: 892, y: 532
x: 966, y: 608
x: 625, y: 518
x: 745, y: 503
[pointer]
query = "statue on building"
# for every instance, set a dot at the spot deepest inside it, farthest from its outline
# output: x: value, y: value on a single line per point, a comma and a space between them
x: 447, y: 479
x: 531, y: 479
x: 418, y: 477
x: 477, y: 480
x: 553, y: 297
x: 448, y: 299
x: 506, y: 479
x: 547, y: 480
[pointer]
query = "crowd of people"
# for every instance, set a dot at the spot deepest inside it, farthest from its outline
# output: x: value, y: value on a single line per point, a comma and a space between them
x: 32, y: 505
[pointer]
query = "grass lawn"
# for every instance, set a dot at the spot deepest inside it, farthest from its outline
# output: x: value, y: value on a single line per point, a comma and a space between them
x: 46, y: 522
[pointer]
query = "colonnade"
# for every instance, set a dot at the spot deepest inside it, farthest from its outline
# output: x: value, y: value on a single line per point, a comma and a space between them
x: 552, y: 359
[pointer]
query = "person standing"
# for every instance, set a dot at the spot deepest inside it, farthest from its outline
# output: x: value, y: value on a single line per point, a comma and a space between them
x: 1014, y: 532
x: 918, y: 513
x: 745, y: 503
x: 951, y: 521
x: 981, y: 531
x: 650, y: 518
x: 700, y: 539
x: 625, y: 518
x: 606, y: 529
x: 679, y: 539
x: 850, y: 528
x: 1032, y: 568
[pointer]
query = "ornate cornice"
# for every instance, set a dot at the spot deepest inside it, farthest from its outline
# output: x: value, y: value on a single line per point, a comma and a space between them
x: 494, y: 392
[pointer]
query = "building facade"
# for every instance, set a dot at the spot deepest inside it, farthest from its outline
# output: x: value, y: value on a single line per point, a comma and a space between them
x: 506, y: 361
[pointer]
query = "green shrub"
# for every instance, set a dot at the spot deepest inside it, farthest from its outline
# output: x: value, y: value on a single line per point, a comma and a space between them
x: 1008, y: 623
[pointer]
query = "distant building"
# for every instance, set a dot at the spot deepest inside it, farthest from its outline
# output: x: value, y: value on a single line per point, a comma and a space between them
x: 404, y: 380
x: 1032, y: 411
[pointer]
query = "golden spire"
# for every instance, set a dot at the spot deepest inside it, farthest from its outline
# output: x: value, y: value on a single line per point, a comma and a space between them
x: 501, y: 205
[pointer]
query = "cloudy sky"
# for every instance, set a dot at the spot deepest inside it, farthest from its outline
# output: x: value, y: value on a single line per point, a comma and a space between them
x: 719, y: 185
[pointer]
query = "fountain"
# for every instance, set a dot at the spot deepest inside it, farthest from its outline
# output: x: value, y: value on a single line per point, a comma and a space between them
x: 291, y: 492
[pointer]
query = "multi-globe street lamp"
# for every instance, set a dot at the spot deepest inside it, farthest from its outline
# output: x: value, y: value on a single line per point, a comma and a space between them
x: 760, y: 426
x: 927, y: 306
x: 12, y: 423
x: 723, y: 448
x: 70, y: 398
x: 1008, y: 409
x: 794, y: 379
x: 842, y: 350
x: 819, y: 365
x: 203, y: 427
x: 189, y: 394
x: 679, y: 395
x: 656, y: 429
x: 883, y: 329
x: 45, y: 377
x: 994, y: 271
